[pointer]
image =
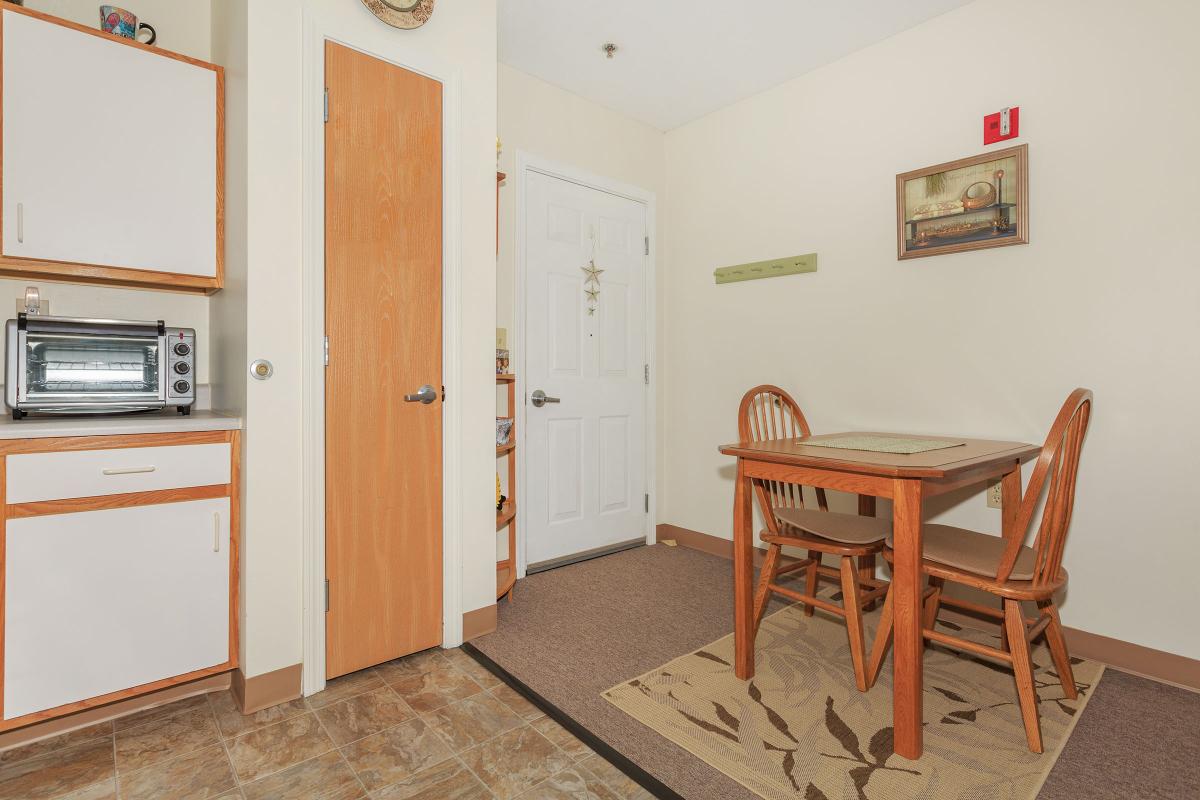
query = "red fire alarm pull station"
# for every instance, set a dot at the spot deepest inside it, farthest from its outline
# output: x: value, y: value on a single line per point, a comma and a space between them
x: 1001, y: 125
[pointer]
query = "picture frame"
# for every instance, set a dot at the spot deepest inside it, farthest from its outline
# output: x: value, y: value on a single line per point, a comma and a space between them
x: 973, y: 203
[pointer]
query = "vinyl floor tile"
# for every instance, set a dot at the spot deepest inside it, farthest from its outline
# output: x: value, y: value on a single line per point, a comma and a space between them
x: 202, y: 774
x: 396, y: 754
x: 278, y: 747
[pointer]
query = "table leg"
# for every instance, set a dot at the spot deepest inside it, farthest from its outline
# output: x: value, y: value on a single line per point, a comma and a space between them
x: 1010, y: 502
x: 908, y: 646
x: 743, y: 576
x: 866, y: 564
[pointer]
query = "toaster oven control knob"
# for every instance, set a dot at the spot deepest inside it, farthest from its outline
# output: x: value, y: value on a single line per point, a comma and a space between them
x: 182, y: 367
x: 182, y: 387
x: 182, y: 349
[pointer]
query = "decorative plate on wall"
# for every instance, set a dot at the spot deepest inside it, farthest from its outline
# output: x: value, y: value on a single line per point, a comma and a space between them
x: 407, y: 14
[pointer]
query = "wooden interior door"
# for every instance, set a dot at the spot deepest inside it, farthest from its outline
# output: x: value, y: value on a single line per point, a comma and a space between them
x: 383, y: 317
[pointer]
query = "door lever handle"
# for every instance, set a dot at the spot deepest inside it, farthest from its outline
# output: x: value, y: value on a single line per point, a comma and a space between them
x: 539, y: 399
x: 426, y: 394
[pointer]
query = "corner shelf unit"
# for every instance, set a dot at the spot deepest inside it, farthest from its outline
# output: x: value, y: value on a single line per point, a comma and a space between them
x: 506, y: 516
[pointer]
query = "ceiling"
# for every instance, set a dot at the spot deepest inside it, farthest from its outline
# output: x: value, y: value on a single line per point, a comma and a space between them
x: 681, y: 60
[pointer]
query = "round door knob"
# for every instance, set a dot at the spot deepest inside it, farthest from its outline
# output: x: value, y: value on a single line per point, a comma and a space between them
x: 183, y: 368
x: 261, y: 369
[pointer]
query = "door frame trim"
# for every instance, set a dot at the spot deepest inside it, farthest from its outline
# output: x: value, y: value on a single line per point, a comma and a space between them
x: 317, y: 29
x: 529, y: 162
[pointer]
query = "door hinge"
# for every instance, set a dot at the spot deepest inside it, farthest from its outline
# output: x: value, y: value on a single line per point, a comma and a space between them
x: 327, y: 351
x: 327, y: 595
x: 647, y: 502
x: 327, y: 105
x: 647, y: 245
x: 647, y: 374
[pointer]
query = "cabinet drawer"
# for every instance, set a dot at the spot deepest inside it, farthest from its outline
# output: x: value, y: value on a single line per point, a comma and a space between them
x: 33, y: 477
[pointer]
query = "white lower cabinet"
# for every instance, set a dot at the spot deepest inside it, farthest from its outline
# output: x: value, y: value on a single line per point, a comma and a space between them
x: 101, y: 601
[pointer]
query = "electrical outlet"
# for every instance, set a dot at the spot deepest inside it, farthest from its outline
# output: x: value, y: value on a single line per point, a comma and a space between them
x: 995, y: 498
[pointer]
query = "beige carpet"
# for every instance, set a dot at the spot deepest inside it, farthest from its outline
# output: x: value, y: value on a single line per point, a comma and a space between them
x: 801, y: 729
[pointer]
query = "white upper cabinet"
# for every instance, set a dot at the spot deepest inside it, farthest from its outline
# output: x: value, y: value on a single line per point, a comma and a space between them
x: 111, y: 169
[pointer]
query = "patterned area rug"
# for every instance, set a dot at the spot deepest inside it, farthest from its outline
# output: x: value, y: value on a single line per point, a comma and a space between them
x: 800, y: 729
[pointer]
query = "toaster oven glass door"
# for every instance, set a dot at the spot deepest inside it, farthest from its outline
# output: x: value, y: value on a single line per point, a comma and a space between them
x: 84, y: 369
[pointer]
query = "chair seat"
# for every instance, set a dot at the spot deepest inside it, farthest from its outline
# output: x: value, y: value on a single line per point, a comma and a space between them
x: 849, y: 529
x: 970, y: 551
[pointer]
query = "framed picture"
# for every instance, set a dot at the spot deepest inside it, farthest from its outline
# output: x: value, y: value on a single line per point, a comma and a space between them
x: 970, y: 204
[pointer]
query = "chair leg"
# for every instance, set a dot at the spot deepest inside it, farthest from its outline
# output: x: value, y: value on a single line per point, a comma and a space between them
x: 1003, y: 630
x: 933, y: 603
x: 1058, y: 649
x: 766, y: 576
x: 866, y: 568
x: 854, y: 624
x: 883, y: 640
x: 810, y: 580
x: 1014, y: 621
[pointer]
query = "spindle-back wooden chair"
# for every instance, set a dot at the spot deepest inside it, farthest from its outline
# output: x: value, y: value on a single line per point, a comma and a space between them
x: 1010, y: 570
x: 768, y: 413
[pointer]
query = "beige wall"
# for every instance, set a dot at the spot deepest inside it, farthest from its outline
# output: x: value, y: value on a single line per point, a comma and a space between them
x: 182, y: 27
x: 985, y: 343
x: 546, y: 121
x: 266, y: 291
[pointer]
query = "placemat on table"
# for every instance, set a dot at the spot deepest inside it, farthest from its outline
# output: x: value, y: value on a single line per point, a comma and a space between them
x: 883, y: 444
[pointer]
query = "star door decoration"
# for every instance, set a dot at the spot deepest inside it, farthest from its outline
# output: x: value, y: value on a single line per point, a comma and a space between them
x: 591, y: 285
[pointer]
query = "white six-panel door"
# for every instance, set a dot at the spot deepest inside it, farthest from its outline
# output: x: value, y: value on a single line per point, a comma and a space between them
x: 585, y: 461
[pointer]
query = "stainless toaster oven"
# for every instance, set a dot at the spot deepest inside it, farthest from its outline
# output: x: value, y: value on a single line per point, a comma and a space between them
x: 62, y: 365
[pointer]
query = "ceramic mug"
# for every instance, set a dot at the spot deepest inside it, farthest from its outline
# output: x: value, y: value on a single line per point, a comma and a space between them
x: 120, y: 22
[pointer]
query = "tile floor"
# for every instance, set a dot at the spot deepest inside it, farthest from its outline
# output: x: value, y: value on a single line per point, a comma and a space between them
x: 431, y: 726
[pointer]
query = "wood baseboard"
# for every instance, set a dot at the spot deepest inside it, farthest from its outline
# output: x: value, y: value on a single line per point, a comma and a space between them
x: 479, y: 622
x: 121, y: 708
x: 266, y: 690
x: 1136, y: 659
x: 705, y: 543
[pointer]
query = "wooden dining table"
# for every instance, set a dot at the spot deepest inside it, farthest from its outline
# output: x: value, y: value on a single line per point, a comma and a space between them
x: 905, y: 479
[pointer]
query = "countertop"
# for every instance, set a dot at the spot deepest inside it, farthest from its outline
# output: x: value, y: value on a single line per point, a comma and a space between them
x: 44, y: 427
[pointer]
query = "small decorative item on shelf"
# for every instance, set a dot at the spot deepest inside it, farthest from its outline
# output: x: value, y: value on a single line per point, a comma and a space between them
x: 499, y: 497
x: 121, y: 22
x: 503, y: 430
x: 501, y: 362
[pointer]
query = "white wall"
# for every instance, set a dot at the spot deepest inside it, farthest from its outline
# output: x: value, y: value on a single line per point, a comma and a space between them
x: 461, y: 35
x: 987, y: 343
x: 544, y: 120
x: 184, y: 28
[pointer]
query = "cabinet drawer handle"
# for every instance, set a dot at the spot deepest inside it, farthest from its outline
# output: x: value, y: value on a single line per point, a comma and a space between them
x: 216, y: 531
x: 20, y: 223
x: 126, y: 470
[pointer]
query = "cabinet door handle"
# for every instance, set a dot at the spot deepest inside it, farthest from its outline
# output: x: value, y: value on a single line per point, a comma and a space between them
x: 216, y: 531
x: 20, y: 223
x: 126, y: 470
